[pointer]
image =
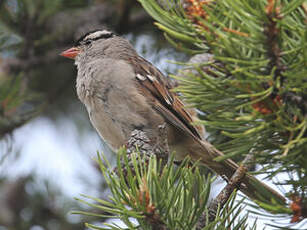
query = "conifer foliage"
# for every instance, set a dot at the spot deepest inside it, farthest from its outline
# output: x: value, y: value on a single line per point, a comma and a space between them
x: 159, y: 197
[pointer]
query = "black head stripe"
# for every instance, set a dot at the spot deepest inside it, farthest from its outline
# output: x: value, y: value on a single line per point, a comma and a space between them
x: 78, y: 42
x: 87, y: 38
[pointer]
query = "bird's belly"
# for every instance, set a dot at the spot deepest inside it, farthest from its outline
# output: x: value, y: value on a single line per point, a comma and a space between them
x: 116, y: 114
x: 115, y: 120
x: 108, y: 129
x: 115, y: 132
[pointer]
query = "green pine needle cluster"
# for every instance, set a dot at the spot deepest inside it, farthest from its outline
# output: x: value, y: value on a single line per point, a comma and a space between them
x: 13, y: 97
x: 159, y: 197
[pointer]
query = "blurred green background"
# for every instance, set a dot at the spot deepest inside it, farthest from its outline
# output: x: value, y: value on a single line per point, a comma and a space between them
x: 47, y: 144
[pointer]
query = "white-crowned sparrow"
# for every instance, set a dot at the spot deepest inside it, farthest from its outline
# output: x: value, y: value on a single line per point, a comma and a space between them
x: 123, y: 92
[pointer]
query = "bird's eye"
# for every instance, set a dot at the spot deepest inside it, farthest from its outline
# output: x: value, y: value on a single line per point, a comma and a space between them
x: 87, y: 42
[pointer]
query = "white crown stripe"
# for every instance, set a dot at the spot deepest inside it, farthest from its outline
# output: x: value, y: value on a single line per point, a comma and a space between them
x: 97, y: 34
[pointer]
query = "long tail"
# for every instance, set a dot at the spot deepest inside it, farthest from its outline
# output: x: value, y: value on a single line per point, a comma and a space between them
x: 251, y: 186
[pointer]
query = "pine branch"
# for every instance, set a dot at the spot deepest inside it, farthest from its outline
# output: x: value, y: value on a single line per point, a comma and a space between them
x: 140, y: 143
x: 221, y: 199
x: 158, y: 197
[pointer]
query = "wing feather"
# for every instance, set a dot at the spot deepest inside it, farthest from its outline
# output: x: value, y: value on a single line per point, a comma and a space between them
x: 154, y: 84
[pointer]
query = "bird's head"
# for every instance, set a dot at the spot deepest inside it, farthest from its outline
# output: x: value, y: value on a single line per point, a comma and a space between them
x: 90, y: 41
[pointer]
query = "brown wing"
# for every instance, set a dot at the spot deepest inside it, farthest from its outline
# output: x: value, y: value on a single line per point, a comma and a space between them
x: 154, y: 84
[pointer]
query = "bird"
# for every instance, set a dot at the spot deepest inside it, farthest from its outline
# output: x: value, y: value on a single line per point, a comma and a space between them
x: 123, y: 92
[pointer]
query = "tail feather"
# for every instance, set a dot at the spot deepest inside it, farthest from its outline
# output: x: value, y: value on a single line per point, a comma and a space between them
x: 251, y: 186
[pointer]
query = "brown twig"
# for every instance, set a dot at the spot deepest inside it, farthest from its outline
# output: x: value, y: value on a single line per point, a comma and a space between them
x: 223, y: 196
x: 139, y: 141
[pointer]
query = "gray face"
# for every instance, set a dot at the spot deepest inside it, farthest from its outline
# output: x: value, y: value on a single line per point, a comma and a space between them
x: 92, y: 44
x: 102, y: 44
